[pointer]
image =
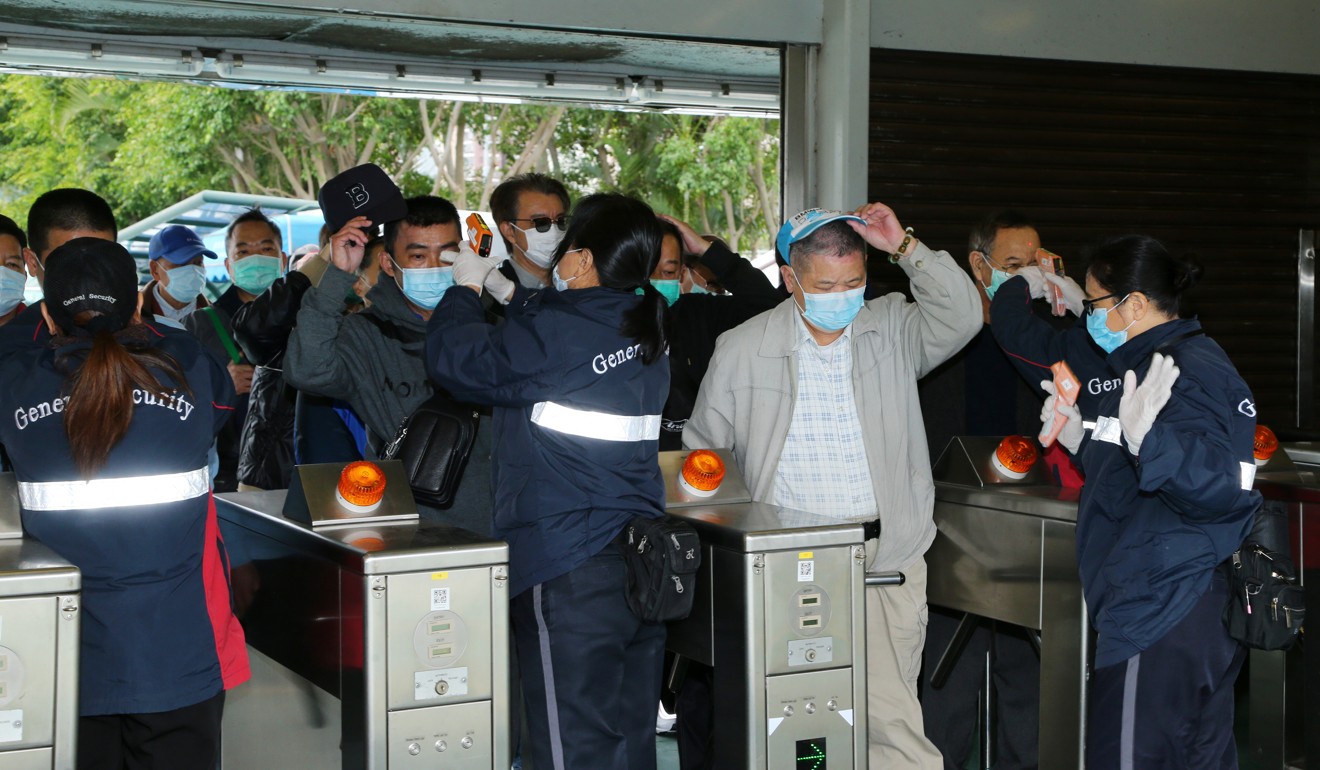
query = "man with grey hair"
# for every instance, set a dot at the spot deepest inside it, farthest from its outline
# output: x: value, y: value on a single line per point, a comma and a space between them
x: 817, y: 398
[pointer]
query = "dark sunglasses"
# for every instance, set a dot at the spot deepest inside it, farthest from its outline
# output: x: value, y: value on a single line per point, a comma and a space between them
x: 542, y: 224
x: 1088, y: 305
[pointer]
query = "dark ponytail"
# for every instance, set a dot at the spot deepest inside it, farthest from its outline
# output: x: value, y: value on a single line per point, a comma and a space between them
x: 624, y: 237
x: 100, y: 387
x: 1131, y: 263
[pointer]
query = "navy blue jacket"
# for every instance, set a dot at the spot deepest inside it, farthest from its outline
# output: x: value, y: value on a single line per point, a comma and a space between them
x: 1032, y: 344
x: 1151, y: 530
x: 559, y: 498
x: 157, y: 629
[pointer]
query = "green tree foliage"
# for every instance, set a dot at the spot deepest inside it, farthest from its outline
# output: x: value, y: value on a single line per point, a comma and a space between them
x: 147, y: 145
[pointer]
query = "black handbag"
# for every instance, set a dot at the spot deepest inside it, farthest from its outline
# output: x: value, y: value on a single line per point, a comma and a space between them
x: 1266, y: 607
x: 661, y: 556
x: 434, y: 443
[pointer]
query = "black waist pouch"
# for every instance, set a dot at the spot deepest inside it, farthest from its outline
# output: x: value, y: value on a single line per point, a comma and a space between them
x: 661, y: 556
x: 1266, y: 607
x: 434, y: 443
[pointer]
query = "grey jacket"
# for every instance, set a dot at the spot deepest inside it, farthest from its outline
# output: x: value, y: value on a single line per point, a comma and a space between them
x: 374, y: 361
x: 746, y: 400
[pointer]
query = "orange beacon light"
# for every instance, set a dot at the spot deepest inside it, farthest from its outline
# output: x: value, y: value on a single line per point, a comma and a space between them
x: 1265, y: 445
x: 702, y: 473
x: 361, y: 486
x: 1014, y: 457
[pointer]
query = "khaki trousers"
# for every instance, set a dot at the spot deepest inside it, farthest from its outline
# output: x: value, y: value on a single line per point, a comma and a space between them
x: 895, y: 635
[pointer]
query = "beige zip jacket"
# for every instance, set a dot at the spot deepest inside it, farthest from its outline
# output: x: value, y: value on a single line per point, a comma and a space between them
x: 746, y: 400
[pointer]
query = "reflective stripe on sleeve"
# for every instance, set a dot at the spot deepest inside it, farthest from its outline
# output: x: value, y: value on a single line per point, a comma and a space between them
x: 1248, y: 475
x: 599, y: 425
x: 113, y: 493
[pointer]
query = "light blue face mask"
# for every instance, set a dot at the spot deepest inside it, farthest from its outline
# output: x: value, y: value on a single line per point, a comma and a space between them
x: 698, y: 289
x: 668, y: 287
x: 11, y: 289
x: 997, y: 278
x: 560, y: 283
x: 1108, y: 339
x: 254, y: 274
x: 425, y: 286
x: 186, y: 282
x: 833, y: 310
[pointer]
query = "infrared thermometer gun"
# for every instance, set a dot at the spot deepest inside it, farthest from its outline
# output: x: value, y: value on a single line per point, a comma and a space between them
x: 479, y: 235
x: 1066, y: 386
x: 1050, y: 262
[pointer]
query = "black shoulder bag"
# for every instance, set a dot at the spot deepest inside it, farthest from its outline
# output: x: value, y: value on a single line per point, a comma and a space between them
x: 661, y: 556
x: 434, y: 442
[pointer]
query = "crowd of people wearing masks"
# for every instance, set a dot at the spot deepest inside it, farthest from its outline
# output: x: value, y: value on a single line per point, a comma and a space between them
x: 609, y: 334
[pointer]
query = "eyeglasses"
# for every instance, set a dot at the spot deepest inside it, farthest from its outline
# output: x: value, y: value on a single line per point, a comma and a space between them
x: 542, y: 224
x: 1088, y: 305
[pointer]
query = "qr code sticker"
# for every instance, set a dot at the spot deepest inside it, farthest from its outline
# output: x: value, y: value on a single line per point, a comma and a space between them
x: 806, y: 571
x: 439, y: 599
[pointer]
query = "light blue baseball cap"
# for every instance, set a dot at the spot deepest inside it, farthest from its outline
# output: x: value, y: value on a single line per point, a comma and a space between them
x: 805, y: 223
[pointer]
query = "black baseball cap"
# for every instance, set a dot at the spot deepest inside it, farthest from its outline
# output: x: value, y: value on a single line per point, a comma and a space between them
x: 362, y: 191
x: 91, y: 275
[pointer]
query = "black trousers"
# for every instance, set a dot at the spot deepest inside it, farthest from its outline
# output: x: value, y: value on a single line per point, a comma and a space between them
x: 183, y: 739
x: 1170, y: 707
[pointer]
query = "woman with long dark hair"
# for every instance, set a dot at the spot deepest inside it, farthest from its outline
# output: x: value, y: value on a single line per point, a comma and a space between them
x: 1168, y: 498
x: 578, y: 376
x: 111, y: 425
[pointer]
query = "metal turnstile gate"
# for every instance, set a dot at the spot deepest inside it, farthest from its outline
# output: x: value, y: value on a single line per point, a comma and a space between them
x: 373, y: 645
x: 39, y: 601
x: 780, y: 615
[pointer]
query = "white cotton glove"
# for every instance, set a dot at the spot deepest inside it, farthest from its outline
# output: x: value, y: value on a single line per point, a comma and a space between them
x: 499, y: 286
x: 1070, y: 436
x: 470, y: 270
x: 1072, y: 293
x: 1141, y: 404
x: 1035, y: 280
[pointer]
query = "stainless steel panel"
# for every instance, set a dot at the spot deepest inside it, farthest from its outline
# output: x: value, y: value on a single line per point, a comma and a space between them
x: 287, y: 721
x: 1045, y: 502
x: 732, y: 490
x: 811, y: 715
x: 312, y: 496
x: 1065, y: 638
x: 808, y: 610
x: 749, y: 527
x: 986, y: 562
x: 457, y: 736
x: 439, y: 631
x: 1303, y: 453
x: 32, y: 759
x: 28, y: 568
x: 28, y: 629
x: 11, y: 522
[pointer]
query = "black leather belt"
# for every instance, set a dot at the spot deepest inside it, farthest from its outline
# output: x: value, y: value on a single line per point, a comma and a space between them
x: 871, y: 529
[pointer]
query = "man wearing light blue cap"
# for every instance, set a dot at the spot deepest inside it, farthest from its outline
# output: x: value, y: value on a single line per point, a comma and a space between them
x: 177, y: 275
x: 817, y: 398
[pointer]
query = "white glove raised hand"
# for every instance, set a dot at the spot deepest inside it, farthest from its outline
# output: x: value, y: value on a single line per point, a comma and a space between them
x: 470, y: 269
x: 1141, y: 404
x: 1070, y: 436
x: 1035, y: 278
x: 499, y: 286
x: 1072, y: 293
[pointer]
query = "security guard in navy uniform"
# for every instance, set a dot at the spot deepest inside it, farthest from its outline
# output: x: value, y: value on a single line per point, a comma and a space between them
x: 577, y: 376
x: 1168, y: 497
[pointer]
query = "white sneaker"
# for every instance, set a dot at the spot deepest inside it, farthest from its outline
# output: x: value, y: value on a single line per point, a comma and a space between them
x: 664, y: 721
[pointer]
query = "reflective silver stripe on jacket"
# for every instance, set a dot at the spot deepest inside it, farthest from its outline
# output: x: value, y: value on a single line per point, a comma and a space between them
x: 607, y: 427
x: 113, y: 493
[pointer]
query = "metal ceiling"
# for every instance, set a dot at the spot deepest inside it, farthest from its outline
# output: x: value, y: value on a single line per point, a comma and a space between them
x: 233, y: 44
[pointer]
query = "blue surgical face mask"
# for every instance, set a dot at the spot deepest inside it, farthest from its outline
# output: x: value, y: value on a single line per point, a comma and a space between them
x: 560, y: 283
x: 833, y: 310
x: 254, y: 274
x: 11, y: 289
x: 668, y: 287
x: 425, y: 286
x: 185, y: 282
x: 997, y: 278
x: 698, y: 289
x: 1108, y: 339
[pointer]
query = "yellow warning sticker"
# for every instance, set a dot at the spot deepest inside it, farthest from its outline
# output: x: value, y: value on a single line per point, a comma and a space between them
x: 806, y: 554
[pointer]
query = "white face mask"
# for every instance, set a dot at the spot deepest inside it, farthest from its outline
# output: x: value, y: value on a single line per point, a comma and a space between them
x: 540, y: 246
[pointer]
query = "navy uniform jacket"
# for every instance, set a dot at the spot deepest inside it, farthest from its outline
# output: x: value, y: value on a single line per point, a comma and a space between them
x: 157, y: 630
x: 558, y: 372
x: 1151, y: 529
x: 1032, y: 344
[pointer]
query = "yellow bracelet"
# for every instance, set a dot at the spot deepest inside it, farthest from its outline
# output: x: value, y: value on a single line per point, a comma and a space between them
x: 902, y: 247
